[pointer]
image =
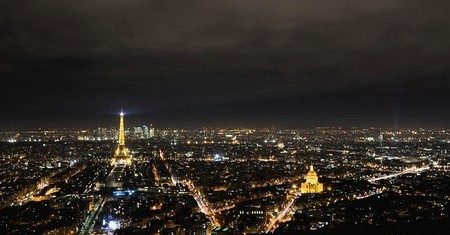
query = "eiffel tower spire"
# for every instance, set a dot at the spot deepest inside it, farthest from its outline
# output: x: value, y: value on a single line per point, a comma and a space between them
x: 121, y: 130
x: 122, y: 154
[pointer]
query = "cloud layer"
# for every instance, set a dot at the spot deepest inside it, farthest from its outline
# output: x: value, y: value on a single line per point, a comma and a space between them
x: 155, y: 56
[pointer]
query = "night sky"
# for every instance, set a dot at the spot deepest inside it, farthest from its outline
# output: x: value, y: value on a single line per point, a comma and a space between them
x: 188, y: 63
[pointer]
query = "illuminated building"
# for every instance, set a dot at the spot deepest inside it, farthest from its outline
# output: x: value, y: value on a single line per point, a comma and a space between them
x: 312, y: 184
x: 122, y: 154
x: 250, y: 219
x: 138, y: 132
x: 145, y: 132
x: 151, y: 132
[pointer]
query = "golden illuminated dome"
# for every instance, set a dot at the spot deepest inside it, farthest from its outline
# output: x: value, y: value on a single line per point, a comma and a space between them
x: 311, y: 172
x: 311, y: 177
x: 312, y: 184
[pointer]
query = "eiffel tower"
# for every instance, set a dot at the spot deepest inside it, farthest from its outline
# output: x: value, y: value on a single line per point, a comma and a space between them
x: 122, y: 155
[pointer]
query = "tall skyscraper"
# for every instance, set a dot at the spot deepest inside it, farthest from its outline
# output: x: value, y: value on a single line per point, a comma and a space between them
x: 138, y: 132
x: 145, y: 132
x: 151, y: 132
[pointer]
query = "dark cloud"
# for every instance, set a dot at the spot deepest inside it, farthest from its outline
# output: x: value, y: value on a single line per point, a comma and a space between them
x: 188, y: 59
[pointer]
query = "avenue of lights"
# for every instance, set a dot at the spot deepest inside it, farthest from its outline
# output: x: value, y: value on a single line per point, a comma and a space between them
x: 224, y: 180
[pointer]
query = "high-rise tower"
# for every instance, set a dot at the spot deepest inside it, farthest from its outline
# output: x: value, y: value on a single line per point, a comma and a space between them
x: 122, y: 154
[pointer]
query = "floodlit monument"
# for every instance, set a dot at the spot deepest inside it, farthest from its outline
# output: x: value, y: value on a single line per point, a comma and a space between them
x: 312, y: 184
x: 122, y: 155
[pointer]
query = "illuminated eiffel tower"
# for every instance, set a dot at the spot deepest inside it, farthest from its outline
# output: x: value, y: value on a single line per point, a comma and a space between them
x: 122, y: 155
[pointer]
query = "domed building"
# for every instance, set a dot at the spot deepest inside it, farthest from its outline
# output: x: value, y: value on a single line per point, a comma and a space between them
x: 312, y: 184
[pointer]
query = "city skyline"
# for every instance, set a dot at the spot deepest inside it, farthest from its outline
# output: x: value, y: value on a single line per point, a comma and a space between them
x: 170, y: 183
x: 51, y: 121
x: 224, y: 117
